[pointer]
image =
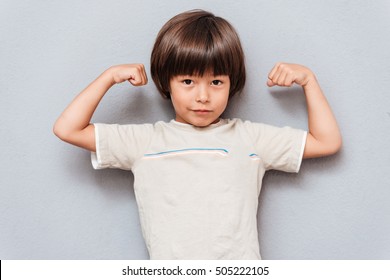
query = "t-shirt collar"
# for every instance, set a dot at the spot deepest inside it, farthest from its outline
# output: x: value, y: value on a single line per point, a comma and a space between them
x: 192, y: 127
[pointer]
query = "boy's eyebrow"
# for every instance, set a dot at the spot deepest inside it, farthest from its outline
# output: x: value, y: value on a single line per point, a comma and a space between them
x: 193, y: 75
x: 182, y: 77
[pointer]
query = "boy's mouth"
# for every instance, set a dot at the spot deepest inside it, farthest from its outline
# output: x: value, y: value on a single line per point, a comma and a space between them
x: 200, y: 111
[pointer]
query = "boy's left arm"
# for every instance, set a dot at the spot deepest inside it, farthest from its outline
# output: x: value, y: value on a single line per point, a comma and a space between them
x: 324, y: 136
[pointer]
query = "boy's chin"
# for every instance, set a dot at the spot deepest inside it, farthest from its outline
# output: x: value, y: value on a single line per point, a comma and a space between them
x: 204, y: 123
x: 199, y: 122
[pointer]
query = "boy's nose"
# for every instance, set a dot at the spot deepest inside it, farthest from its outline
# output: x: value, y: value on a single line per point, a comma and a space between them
x: 203, y: 95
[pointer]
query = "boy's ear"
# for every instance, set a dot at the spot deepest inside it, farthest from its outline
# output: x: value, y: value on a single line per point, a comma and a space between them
x: 169, y: 91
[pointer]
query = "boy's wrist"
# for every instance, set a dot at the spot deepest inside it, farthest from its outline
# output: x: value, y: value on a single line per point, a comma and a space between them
x: 108, y: 77
x: 311, y: 80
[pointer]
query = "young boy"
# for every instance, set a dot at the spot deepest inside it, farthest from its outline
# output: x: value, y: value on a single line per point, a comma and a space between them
x: 198, y: 177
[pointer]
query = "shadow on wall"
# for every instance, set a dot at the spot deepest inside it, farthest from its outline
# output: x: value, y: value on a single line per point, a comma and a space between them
x: 114, y: 183
x: 290, y: 100
x: 312, y: 167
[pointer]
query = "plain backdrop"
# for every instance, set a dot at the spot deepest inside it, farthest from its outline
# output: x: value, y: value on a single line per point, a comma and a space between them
x: 53, y: 205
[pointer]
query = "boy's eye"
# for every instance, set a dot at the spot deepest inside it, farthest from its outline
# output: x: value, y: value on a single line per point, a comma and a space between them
x: 216, y: 82
x: 187, y: 82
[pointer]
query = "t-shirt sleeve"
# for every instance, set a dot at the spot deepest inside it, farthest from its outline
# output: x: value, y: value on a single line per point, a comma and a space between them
x: 119, y: 146
x: 278, y: 148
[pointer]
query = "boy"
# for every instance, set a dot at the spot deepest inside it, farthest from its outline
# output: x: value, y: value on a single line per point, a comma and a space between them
x: 198, y: 177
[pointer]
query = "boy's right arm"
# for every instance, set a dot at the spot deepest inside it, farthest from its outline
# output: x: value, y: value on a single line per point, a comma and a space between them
x: 73, y: 126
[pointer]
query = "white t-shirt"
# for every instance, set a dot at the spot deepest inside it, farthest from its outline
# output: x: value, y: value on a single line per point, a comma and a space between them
x: 197, y: 188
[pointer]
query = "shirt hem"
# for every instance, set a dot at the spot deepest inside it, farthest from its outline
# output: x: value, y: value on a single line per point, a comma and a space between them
x: 95, y: 156
x: 302, y: 151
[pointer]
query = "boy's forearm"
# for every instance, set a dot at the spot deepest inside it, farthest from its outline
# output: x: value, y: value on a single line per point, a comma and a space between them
x: 323, y: 128
x: 78, y: 114
x: 73, y: 126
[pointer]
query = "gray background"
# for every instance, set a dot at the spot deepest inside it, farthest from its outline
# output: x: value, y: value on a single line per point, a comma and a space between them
x: 53, y: 205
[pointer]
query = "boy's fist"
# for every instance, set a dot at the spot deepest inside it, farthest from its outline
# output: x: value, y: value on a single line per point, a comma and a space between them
x: 286, y: 74
x: 134, y: 73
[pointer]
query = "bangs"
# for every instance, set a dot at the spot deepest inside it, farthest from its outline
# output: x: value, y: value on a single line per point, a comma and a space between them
x: 200, y: 52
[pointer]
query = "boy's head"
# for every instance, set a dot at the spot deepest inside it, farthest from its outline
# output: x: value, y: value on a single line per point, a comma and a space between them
x: 195, y: 43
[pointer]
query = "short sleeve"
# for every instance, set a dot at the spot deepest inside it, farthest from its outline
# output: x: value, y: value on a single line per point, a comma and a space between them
x: 278, y: 148
x: 119, y: 146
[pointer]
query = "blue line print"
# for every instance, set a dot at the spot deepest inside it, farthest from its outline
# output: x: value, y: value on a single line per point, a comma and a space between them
x: 254, y: 156
x: 187, y: 150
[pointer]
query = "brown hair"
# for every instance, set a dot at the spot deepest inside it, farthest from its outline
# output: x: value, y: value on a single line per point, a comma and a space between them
x: 194, y: 42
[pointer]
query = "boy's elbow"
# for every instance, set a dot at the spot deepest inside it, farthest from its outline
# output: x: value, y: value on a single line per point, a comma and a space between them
x: 315, y: 148
x: 56, y: 130
x: 335, y: 146
x: 60, y: 132
x: 84, y: 138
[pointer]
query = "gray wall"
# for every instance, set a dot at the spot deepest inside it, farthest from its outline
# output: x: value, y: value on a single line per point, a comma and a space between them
x: 53, y: 205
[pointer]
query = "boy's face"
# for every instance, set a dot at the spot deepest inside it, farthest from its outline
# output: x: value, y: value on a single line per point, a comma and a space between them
x: 199, y: 101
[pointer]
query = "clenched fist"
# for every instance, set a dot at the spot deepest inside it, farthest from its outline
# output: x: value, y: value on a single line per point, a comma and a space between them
x: 134, y: 73
x: 286, y: 74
